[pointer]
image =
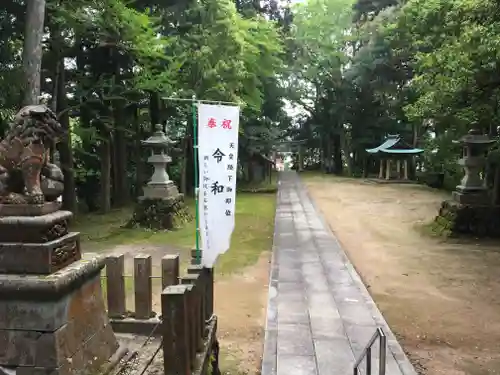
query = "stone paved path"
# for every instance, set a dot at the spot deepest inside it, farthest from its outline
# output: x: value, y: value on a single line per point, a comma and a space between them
x: 320, y: 315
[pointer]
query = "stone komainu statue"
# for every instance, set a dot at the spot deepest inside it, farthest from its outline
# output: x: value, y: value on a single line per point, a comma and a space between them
x: 26, y: 175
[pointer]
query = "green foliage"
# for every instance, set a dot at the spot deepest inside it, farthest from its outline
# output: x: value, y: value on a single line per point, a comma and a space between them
x: 120, y: 58
x: 227, y: 56
x: 356, y: 69
x: 424, y: 69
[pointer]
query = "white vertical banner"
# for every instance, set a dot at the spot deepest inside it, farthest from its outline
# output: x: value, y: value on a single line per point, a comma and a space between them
x: 218, y: 162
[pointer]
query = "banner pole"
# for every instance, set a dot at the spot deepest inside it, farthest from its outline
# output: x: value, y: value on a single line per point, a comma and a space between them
x: 196, y: 179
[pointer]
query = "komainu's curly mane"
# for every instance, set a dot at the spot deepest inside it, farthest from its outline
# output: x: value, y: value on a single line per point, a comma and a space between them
x: 35, y: 124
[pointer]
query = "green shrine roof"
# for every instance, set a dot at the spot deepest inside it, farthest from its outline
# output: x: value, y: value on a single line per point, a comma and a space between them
x: 393, y: 144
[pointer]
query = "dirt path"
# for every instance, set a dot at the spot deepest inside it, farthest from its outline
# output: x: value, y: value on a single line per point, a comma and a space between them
x: 240, y: 303
x: 442, y: 299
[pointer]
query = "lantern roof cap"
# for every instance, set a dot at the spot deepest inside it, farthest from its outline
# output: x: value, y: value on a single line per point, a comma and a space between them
x: 475, y: 137
x: 158, y: 138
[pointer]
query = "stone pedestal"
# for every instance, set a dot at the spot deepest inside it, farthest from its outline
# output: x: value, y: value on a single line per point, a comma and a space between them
x: 55, y: 324
x: 471, y: 197
x: 160, y: 191
x: 52, y: 314
x: 37, y: 245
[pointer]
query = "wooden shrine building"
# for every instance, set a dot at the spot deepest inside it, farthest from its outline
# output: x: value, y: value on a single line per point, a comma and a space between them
x: 393, y: 155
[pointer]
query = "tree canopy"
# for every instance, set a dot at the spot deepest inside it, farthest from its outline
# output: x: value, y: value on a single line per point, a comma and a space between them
x: 356, y: 70
x: 426, y: 70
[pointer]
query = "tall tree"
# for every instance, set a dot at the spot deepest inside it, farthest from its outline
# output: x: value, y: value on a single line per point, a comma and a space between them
x: 316, y: 79
x: 32, y: 52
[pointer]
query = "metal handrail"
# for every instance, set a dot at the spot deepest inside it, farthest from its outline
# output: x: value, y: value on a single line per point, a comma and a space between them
x: 367, y: 352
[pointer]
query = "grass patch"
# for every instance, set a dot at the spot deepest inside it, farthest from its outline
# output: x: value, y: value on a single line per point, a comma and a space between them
x: 229, y: 364
x: 269, y: 185
x: 433, y: 229
x: 101, y: 231
x: 252, y: 235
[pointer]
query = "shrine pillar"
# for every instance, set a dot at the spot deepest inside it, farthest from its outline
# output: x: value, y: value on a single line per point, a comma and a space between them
x: 381, y: 169
x: 388, y: 169
x: 405, y: 169
x: 398, y: 168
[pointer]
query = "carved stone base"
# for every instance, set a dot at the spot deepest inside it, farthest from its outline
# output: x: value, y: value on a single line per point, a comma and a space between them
x: 55, y: 325
x: 456, y: 219
x: 34, y: 229
x: 40, y: 258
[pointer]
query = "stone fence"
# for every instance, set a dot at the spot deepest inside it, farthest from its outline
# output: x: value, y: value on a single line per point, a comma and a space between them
x: 187, y: 325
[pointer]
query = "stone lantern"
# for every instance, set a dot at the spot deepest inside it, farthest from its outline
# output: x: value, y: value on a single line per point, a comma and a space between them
x: 472, y: 188
x: 160, y: 186
x: 161, y: 207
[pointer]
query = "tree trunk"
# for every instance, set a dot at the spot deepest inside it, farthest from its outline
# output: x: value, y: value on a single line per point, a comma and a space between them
x: 337, y: 154
x: 122, y: 196
x: 105, y: 153
x: 139, y: 162
x: 325, y: 148
x: 251, y: 171
x: 65, y: 148
x: 32, y: 51
x: 114, y: 169
x: 56, y: 48
x: 105, y: 193
x: 347, y: 153
x: 154, y: 110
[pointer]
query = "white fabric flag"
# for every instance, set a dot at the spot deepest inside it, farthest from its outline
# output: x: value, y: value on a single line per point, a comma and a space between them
x: 218, y: 162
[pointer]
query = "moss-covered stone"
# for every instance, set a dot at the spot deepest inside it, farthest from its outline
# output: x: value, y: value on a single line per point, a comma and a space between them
x: 160, y: 214
x: 457, y: 219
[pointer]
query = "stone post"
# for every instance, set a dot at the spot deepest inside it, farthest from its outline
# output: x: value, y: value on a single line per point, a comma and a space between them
x: 143, y: 287
x: 176, y: 330
x: 115, y: 285
x: 169, y: 270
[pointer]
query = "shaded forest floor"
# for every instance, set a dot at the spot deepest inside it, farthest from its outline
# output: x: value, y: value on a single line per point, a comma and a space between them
x: 441, y: 298
x: 241, y: 273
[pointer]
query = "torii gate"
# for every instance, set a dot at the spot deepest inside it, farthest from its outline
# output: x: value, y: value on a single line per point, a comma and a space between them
x: 292, y: 146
